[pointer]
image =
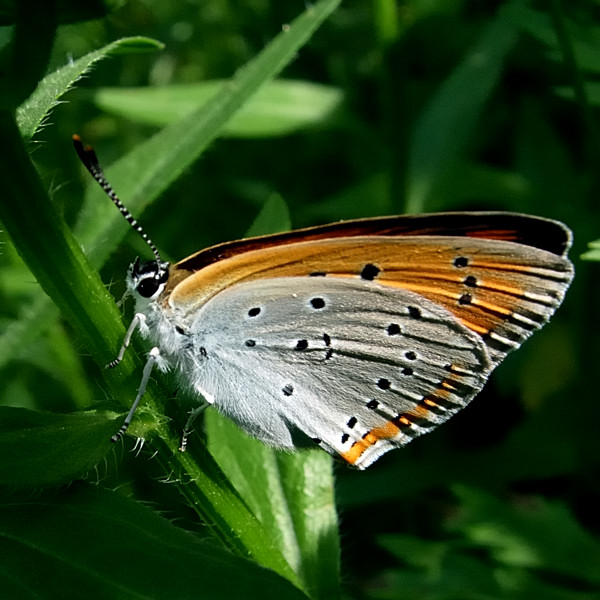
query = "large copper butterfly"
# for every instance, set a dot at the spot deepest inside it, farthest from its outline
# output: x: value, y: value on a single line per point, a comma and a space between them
x: 356, y: 336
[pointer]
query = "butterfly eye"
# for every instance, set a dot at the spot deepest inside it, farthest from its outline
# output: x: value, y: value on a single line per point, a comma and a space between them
x: 148, y: 276
x: 148, y: 287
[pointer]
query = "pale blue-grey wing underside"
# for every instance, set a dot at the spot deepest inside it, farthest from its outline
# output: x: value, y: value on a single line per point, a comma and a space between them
x: 328, y: 359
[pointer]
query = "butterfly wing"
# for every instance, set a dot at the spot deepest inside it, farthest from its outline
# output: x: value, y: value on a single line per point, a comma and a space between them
x: 455, y: 291
x: 346, y: 364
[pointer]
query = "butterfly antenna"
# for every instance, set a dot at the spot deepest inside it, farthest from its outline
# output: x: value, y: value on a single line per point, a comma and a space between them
x: 90, y: 160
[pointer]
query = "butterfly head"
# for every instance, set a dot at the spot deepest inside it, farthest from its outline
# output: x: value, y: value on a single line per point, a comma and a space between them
x: 148, y: 278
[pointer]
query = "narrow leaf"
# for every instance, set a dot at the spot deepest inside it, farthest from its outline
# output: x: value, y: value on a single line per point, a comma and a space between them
x: 274, y: 217
x: 31, y: 114
x: 593, y: 253
x: 280, y: 108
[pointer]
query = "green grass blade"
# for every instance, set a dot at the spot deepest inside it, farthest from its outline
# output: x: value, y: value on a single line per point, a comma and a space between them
x: 279, y: 108
x: 32, y: 113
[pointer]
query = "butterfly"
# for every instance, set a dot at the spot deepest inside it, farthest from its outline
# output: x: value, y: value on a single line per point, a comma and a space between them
x: 355, y: 337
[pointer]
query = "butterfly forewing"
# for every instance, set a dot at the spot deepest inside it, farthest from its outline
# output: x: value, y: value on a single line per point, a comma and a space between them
x: 501, y: 290
x: 537, y: 232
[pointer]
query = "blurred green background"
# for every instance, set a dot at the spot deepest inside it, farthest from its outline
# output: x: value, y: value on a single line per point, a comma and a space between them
x: 390, y: 107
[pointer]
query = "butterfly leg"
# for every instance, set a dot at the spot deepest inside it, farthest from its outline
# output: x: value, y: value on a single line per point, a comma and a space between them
x: 188, y: 429
x: 138, y: 321
x: 153, y: 357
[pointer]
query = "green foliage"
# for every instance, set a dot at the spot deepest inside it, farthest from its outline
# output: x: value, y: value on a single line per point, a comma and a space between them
x: 49, y: 449
x: 31, y: 114
x: 130, y: 552
x: 501, y: 550
x: 208, y: 132
x: 593, y: 252
x: 280, y: 108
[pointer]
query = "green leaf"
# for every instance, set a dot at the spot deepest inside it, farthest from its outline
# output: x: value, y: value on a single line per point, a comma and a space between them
x: 31, y: 114
x: 55, y: 356
x: 49, y: 449
x: 274, y: 217
x: 280, y: 108
x: 594, y: 251
x: 96, y: 544
x: 291, y: 494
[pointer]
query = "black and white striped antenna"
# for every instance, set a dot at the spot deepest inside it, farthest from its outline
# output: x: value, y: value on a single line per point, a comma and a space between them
x: 90, y: 160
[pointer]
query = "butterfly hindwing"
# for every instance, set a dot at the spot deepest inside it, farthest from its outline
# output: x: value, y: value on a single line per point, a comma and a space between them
x: 351, y: 365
